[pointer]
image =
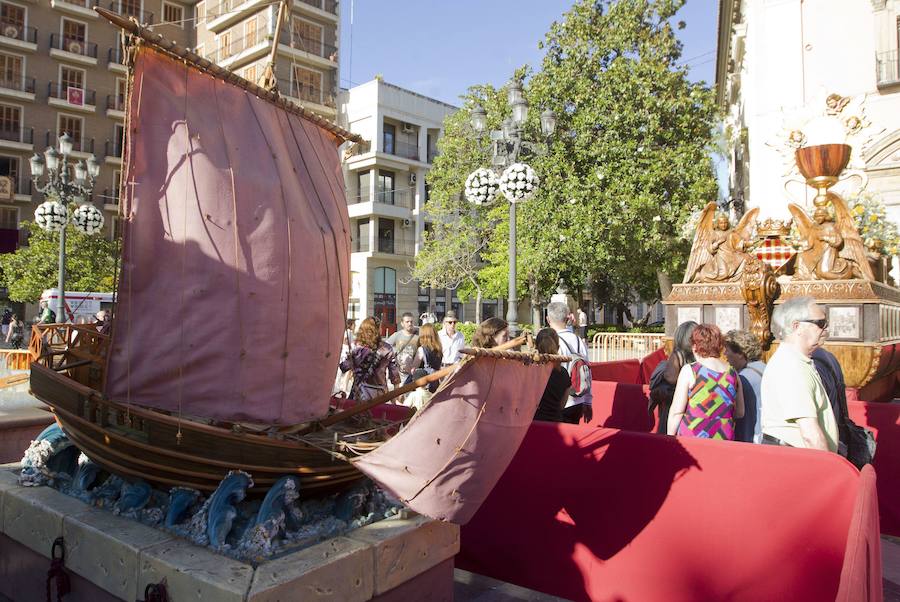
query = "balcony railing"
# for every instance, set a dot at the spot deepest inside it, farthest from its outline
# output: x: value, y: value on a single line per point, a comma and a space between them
x: 329, y: 6
x: 887, y: 65
x: 295, y: 89
x: 18, y: 82
x: 405, y: 149
x: 235, y: 47
x: 144, y: 17
x: 115, y: 102
x: 113, y: 149
x: 81, y: 145
x: 84, y: 48
x: 22, y: 186
x: 110, y: 197
x: 57, y: 90
x: 311, y: 45
x: 23, y: 135
x: 399, y: 197
x: 115, y: 55
x: 19, y: 32
x: 396, y: 244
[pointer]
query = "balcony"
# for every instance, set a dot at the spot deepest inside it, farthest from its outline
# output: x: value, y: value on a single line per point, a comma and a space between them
x: 18, y: 36
x: 82, y: 148
x: 310, y: 46
x: 115, y: 106
x: 79, y: 8
x: 399, y: 197
x: 224, y: 14
x: 144, y: 17
x: 70, y: 49
x: 17, y: 138
x: 392, y: 244
x: 113, y: 148
x: 328, y: 6
x: 887, y: 68
x: 407, y: 150
x: 225, y: 55
x: 58, y: 96
x: 115, y: 60
x: 22, y: 189
x: 110, y: 199
x: 305, y: 93
x: 17, y: 86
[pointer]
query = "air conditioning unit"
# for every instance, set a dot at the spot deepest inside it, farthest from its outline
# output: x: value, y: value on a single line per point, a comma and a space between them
x: 406, y: 223
x: 412, y: 178
x: 409, y: 128
x: 74, y: 47
x: 11, y: 31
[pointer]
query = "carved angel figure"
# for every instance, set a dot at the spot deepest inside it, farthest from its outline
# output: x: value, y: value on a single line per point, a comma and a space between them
x: 832, y: 248
x: 719, y: 253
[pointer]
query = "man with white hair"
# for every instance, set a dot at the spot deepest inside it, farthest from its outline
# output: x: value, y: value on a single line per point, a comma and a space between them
x: 795, y: 407
x: 577, y: 408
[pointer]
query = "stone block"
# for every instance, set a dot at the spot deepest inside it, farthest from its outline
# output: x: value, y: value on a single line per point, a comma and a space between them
x: 9, y: 479
x: 405, y: 548
x: 194, y: 573
x: 33, y: 516
x: 105, y: 549
x: 339, y: 569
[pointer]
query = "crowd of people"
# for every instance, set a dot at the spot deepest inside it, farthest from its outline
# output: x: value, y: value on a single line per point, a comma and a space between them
x: 798, y: 399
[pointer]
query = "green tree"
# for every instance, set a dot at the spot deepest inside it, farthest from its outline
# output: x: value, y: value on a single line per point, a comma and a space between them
x: 90, y: 263
x: 632, y: 153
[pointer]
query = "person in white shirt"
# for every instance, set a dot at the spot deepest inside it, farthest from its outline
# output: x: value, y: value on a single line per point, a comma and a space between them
x: 582, y: 322
x: 577, y: 408
x: 451, y: 339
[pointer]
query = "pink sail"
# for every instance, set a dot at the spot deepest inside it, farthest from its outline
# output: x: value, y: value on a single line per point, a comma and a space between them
x: 445, y: 462
x: 235, y: 262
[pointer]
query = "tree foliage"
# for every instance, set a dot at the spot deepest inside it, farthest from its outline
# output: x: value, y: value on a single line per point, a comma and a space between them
x: 630, y: 157
x: 90, y: 264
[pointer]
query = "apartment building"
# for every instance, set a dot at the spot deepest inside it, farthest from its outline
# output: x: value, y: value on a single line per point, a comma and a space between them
x: 387, y: 189
x: 61, y: 70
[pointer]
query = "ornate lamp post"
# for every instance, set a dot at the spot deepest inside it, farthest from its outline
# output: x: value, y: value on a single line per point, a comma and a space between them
x: 64, y: 186
x: 517, y: 181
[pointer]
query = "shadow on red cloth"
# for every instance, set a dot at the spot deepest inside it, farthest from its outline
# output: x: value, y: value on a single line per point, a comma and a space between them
x: 884, y: 420
x: 621, y: 406
x: 599, y: 514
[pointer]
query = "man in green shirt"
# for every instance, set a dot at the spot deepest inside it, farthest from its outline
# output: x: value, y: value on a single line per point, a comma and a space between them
x: 795, y: 406
x: 47, y: 316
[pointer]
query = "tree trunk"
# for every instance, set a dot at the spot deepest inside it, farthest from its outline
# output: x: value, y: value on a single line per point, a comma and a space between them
x: 665, y: 284
x: 478, y: 305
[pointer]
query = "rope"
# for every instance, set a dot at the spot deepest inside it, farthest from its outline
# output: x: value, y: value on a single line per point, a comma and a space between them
x: 521, y: 356
x: 57, y: 571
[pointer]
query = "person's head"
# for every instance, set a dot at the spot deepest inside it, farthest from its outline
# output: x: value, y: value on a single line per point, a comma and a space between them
x: 741, y: 348
x: 351, y: 324
x: 408, y: 323
x: 682, y: 337
x: 450, y: 322
x: 101, y: 315
x: 42, y: 304
x: 367, y: 334
x: 558, y: 315
x: 820, y: 215
x: 429, y: 339
x: 547, y: 341
x: 722, y: 222
x: 706, y: 341
x: 15, y: 317
x: 803, y: 324
x: 490, y: 333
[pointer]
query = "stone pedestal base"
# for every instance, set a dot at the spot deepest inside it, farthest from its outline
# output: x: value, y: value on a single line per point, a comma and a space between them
x: 113, y: 558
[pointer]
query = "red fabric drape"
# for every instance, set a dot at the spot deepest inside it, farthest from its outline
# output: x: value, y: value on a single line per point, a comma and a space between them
x: 858, y: 580
x: 624, y: 371
x: 884, y: 420
x: 601, y: 514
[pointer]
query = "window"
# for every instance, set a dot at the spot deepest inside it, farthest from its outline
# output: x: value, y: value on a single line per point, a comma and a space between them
x: 116, y: 189
x: 10, y: 123
x: 306, y: 36
x: 489, y: 310
x: 225, y: 45
x: 121, y: 91
x: 173, y: 14
x: 362, y: 236
x: 132, y: 8
x: 11, y: 71
x: 9, y: 167
x: 363, y: 180
x: 386, y: 296
x: 250, y: 32
x: 13, y: 16
x: 9, y: 218
x: 199, y: 13
x: 390, y: 133
x: 385, y: 235
x: 73, y: 31
x: 306, y: 84
x: 384, y: 187
x: 70, y: 78
x: 250, y: 73
x: 73, y: 126
x: 118, y: 139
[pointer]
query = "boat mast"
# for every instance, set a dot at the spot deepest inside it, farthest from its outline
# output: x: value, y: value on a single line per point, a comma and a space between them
x: 269, y: 79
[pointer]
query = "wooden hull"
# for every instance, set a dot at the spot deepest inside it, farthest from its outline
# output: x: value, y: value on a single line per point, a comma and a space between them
x: 137, y: 443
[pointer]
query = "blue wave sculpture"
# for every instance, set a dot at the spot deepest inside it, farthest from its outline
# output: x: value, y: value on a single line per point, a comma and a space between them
x: 222, y: 512
x: 134, y: 497
x: 180, y: 501
x: 282, y: 493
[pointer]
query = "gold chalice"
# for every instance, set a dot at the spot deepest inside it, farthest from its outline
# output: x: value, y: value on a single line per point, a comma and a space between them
x: 821, y: 165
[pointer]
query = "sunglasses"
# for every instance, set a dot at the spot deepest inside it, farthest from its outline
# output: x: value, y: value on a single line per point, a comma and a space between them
x: 822, y: 323
x: 449, y: 321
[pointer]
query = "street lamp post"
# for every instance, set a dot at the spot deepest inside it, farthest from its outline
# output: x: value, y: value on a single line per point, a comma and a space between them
x: 508, y: 144
x: 62, y: 187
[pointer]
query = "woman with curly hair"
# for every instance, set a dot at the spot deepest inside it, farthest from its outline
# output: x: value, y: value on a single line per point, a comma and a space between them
x: 490, y: 333
x: 743, y: 351
x: 708, y: 395
x: 372, y: 362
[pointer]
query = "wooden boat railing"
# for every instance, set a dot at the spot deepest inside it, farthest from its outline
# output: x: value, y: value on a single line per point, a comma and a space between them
x: 79, y: 350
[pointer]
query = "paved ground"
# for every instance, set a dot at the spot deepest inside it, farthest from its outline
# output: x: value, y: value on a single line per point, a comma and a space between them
x: 890, y: 567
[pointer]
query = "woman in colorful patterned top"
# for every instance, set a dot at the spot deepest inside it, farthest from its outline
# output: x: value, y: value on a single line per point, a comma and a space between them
x: 708, y: 396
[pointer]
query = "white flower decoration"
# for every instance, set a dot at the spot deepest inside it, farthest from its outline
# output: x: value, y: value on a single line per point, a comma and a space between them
x: 481, y: 186
x: 51, y: 216
x: 88, y: 219
x: 518, y: 182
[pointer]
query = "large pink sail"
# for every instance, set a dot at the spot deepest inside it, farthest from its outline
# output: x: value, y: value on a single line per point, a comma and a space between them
x: 446, y: 461
x: 235, y: 261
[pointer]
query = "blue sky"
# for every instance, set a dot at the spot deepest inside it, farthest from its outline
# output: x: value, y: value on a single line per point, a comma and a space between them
x: 441, y: 47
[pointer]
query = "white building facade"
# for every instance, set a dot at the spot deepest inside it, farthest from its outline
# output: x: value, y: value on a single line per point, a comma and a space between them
x: 386, y: 196
x: 778, y: 62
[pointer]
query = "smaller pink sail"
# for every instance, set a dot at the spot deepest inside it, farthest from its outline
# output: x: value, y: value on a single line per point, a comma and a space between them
x: 446, y: 461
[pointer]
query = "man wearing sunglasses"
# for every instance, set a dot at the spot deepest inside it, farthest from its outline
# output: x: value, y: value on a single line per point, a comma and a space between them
x: 451, y: 339
x: 795, y: 407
